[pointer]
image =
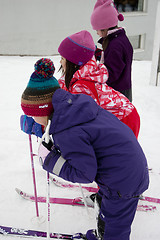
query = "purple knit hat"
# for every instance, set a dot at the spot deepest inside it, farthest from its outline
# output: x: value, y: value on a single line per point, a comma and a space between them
x: 78, y: 48
x: 105, y: 15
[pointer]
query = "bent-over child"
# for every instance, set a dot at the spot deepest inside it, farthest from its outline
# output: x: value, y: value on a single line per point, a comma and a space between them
x: 90, y: 144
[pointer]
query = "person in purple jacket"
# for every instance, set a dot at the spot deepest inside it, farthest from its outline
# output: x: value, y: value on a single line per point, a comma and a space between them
x: 90, y: 144
x: 118, y: 51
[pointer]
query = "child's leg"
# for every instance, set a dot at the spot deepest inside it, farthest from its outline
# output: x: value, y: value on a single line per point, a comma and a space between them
x: 100, y: 221
x: 118, y: 216
x: 100, y: 227
x: 96, y: 234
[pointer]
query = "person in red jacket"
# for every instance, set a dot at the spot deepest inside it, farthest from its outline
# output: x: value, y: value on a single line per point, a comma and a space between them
x: 82, y: 74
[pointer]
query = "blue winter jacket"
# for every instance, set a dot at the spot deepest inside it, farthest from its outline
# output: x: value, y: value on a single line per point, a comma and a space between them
x: 91, y: 144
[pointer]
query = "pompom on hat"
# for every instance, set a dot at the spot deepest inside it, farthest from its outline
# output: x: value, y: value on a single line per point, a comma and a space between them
x: 36, y: 99
x: 105, y: 15
x: 78, y: 48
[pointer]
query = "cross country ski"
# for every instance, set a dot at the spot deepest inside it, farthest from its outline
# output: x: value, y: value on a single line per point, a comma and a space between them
x: 77, y: 201
x: 72, y: 186
x: 67, y: 201
x: 20, y: 232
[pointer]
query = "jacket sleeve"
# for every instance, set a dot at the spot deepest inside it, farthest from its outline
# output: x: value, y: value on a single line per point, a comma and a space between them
x: 61, y: 82
x: 76, y: 161
x: 113, y: 60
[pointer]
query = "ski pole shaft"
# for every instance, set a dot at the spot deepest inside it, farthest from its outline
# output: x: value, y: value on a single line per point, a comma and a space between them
x: 84, y: 199
x: 33, y: 174
x: 48, y: 206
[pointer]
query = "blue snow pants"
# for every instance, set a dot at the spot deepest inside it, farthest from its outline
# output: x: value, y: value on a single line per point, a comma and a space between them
x: 116, y: 217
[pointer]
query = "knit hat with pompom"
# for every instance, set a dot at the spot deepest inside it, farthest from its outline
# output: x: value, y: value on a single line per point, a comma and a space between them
x: 105, y: 15
x: 36, y: 99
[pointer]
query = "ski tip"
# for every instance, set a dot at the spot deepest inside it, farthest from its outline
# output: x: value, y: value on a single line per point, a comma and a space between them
x: 18, y: 190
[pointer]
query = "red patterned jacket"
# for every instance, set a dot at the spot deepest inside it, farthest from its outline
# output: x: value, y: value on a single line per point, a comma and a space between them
x: 91, y: 79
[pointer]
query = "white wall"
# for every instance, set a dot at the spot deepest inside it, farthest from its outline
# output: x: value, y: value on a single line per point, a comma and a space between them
x: 36, y: 27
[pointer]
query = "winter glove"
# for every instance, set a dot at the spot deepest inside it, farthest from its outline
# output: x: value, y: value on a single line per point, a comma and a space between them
x: 50, y: 158
x: 53, y: 162
x: 43, y: 150
x: 29, y: 126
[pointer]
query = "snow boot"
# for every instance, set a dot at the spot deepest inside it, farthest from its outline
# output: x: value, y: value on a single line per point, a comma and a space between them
x: 92, y: 235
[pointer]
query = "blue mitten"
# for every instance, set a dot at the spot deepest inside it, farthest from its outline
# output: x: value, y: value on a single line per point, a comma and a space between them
x: 37, y: 129
x: 29, y: 126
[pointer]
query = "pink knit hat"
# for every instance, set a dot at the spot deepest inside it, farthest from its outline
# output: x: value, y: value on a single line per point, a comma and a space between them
x: 78, y: 48
x: 105, y: 15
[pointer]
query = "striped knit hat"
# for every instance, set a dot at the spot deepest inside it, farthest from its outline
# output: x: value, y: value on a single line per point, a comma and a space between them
x: 37, y: 97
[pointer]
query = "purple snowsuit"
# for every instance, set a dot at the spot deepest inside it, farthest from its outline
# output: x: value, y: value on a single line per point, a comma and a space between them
x: 118, y: 60
x: 93, y: 145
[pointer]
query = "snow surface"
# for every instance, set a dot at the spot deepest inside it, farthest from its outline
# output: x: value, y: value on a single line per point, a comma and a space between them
x: 15, y: 159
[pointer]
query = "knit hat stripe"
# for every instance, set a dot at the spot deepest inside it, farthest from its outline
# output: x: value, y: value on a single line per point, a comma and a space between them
x: 42, y: 84
x: 38, y: 92
x: 37, y: 110
x: 34, y: 100
x: 90, y: 49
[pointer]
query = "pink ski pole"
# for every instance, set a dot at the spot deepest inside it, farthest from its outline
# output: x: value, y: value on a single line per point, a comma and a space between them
x: 47, y: 138
x: 48, y: 206
x: 33, y: 174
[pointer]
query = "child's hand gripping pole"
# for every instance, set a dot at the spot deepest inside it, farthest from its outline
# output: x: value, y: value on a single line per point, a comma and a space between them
x: 29, y: 126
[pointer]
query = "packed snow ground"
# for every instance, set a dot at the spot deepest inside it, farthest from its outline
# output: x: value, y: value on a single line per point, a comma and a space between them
x: 15, y: 162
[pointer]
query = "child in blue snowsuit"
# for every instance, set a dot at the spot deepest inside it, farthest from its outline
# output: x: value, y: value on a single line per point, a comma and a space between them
x: 90, y: 144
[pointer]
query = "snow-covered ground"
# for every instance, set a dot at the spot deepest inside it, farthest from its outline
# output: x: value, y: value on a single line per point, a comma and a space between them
x: 15, y: 162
